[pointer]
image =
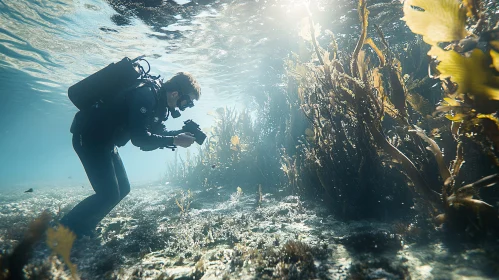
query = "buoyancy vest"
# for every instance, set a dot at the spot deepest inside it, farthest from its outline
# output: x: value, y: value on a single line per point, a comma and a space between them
x: 105, y: 84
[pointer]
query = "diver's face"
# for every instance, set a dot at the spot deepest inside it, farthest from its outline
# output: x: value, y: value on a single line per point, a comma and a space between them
x: 175, y: 100
x: 185, y: 101
x: 171, y: 99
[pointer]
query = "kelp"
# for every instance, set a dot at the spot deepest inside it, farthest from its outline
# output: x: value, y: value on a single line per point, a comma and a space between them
x: 60, y: 241
x: 347, y: 107
x: 435, y: 149
x: 471, y: 82
x: 437, y: 20
x: 11, y: 266
x: 472, y: 74
x: 346, y: 145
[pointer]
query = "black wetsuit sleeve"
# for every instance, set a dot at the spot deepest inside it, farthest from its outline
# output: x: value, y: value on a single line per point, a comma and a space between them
x: 160, y: 129
x: 141, y: 103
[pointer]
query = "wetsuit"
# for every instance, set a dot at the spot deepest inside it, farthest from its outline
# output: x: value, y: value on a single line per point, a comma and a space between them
x: 97, y: 131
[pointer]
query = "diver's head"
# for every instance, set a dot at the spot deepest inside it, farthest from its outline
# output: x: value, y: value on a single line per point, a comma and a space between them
x: 180, y: 92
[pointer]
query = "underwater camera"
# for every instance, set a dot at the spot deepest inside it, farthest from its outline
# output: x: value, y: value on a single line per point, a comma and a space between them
x: 192, y: 127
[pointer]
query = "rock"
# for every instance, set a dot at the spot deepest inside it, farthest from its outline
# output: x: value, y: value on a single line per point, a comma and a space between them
x: 370, y: 240
x: 180, y: 273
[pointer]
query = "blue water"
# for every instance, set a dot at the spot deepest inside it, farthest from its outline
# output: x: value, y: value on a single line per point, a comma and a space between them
x: 46, y: 46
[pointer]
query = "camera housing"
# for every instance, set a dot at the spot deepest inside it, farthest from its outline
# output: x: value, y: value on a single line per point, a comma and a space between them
x: 192, y: 127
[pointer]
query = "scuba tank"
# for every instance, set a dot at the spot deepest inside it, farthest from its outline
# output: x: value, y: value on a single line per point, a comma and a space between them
x: 103, y: 85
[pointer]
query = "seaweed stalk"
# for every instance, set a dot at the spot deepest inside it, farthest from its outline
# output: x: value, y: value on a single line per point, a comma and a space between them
x: 435, y: 149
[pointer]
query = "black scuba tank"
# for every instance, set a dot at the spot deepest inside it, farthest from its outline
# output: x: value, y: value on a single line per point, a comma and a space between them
x: 104, y: 84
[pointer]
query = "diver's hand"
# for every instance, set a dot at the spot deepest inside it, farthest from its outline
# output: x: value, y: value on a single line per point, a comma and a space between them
x: 184, y: 139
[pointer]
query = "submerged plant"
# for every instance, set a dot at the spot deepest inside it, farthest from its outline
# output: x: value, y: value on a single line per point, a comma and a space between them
x: 60, y: 241
x: 471, y: 82
x: 348, y: 103
x: 11, y: 266
x: 231, y: 156
x: 183, y: 202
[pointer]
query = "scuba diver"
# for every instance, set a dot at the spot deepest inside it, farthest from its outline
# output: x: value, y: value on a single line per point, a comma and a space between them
x: 135, y: 111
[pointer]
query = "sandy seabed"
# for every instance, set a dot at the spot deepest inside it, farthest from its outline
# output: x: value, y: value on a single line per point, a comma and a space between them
x: 229, y: 234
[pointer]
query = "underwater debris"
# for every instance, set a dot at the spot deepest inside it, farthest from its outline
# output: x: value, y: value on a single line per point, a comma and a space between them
x: 29, y: 190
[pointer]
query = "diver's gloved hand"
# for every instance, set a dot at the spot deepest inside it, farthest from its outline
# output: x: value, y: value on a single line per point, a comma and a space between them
x: 184, y: 139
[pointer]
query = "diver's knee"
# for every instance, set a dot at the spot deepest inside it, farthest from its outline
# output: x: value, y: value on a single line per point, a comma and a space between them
x: 111, y: 198
x: 116, y: 199
x: 124, y: 192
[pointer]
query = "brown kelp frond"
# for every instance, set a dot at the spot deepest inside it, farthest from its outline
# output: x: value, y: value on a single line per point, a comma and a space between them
x: 449, y: 183
x: 381, y: 56
x: 437, y: 21
x: 435, y: 149
x: 363, y: 16
x: 466, y: 196
x: 416, y: 177
x: 458, y: 162
x: 474, y: 188
x: 397, y: 88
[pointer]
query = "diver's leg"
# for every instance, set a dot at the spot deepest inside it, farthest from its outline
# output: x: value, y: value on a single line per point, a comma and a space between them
x: 121, y: 176
x: 99, y: 166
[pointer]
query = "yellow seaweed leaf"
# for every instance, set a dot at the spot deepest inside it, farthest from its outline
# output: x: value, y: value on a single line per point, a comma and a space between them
x: 437, y: 20
x: 451, y: 101
x: 472, y: 74
x: 494, y: 45
x: 60, y: 241
x: 234, y: 140
x: 456, y: 117
x: 234, y: 143
x: 491, y: 117
x: 495, y: 59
